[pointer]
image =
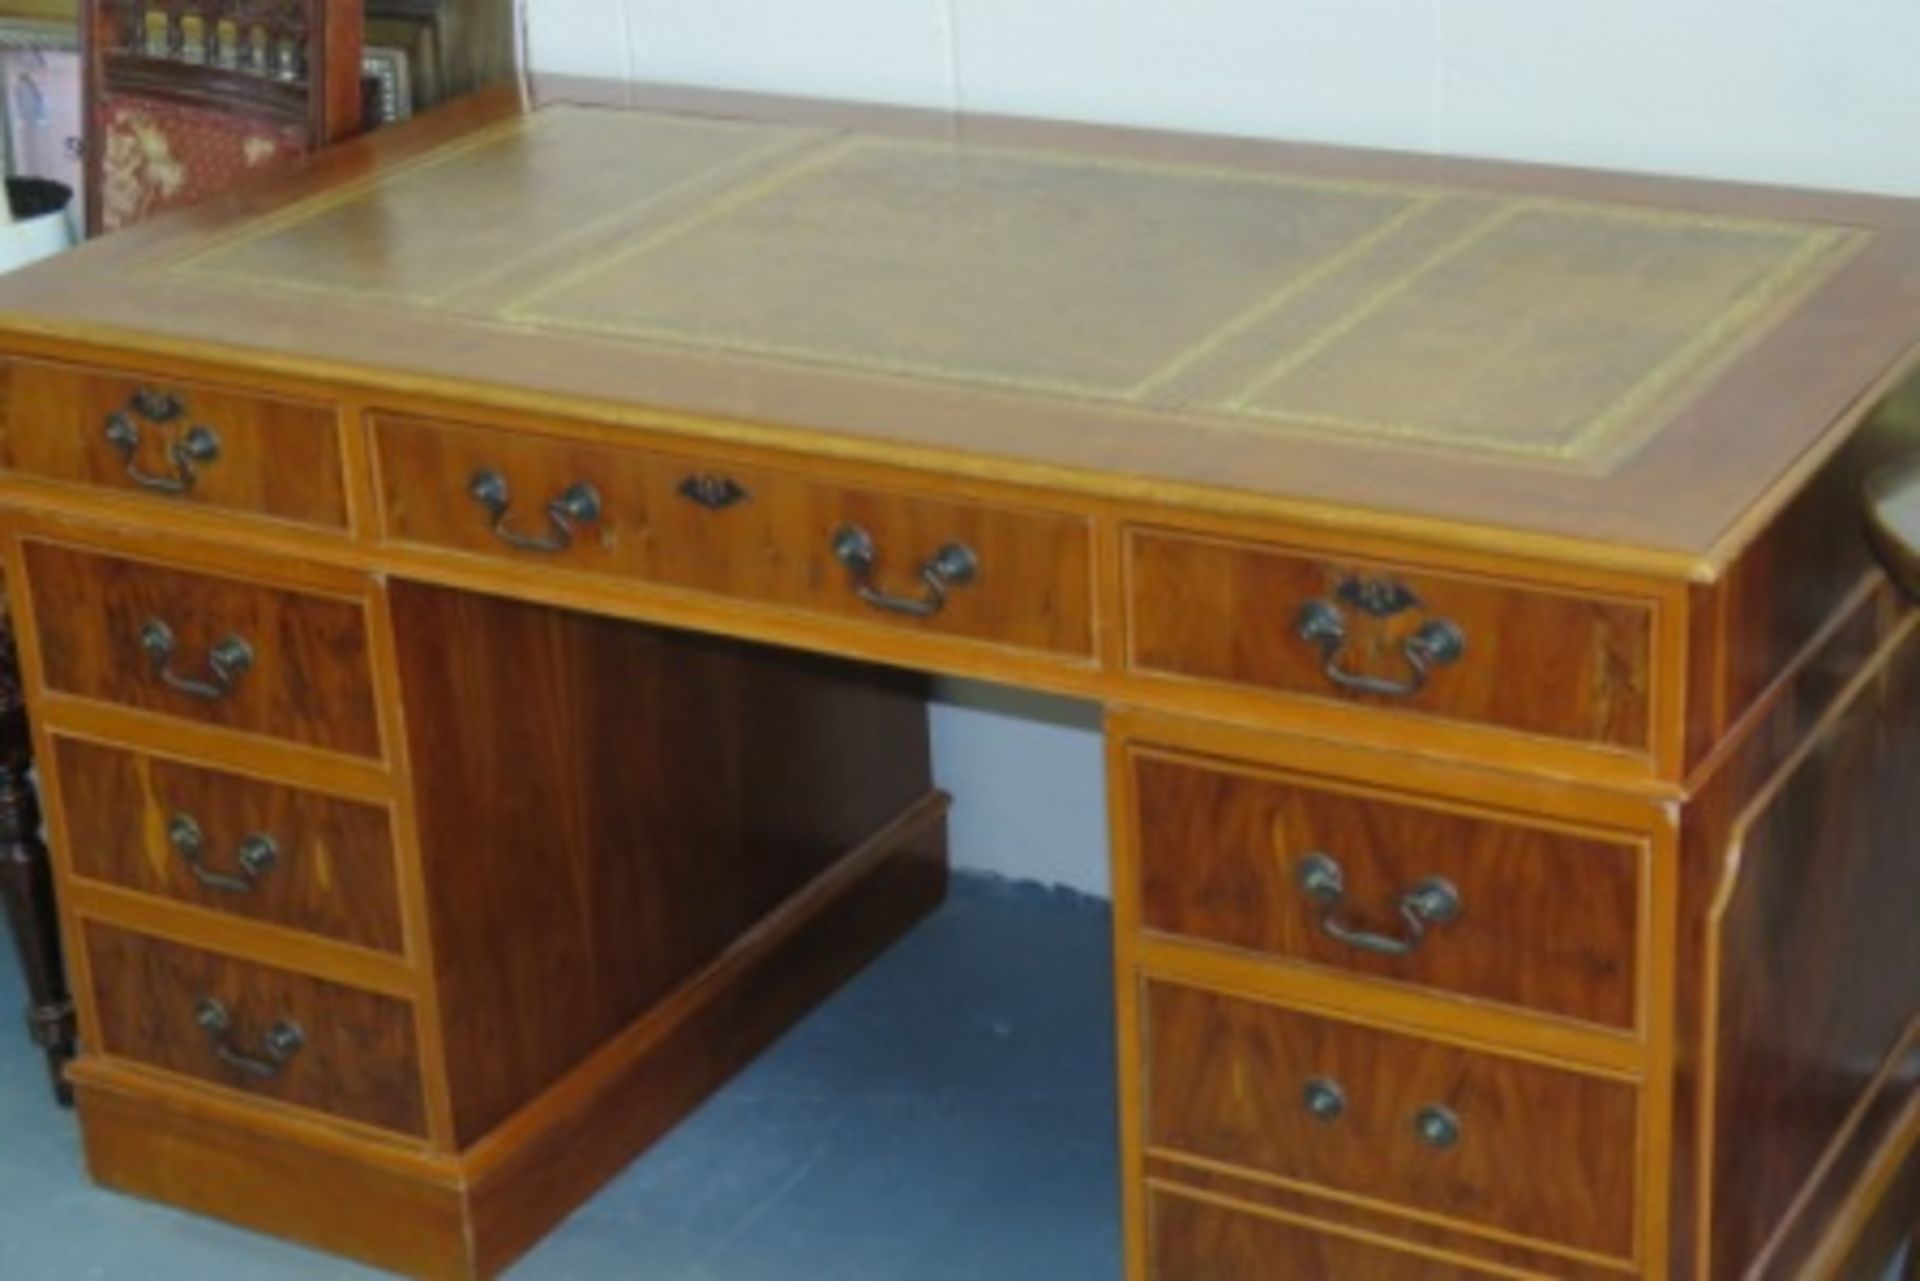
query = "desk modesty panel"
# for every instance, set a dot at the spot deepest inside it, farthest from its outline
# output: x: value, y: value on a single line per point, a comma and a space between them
x: 476, y: 595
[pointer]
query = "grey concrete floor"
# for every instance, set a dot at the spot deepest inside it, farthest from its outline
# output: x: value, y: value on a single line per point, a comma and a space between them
x: 948, y: 1116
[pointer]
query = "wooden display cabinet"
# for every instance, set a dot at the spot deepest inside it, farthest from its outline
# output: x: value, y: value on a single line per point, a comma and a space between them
x: 186, y: 96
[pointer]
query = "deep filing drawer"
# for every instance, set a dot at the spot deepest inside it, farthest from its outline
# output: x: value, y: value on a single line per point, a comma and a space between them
x: 247, y: 848
x: 266, y: 1032
x: 1479, y: 1139
x: 219, y: 651
x: 1420, y: 890
x: 1516, y: 657
x: 1015, y: 577
x: 177, y: 442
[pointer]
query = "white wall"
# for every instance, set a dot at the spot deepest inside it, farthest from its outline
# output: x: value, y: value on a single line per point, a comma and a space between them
x: 1817, y: 92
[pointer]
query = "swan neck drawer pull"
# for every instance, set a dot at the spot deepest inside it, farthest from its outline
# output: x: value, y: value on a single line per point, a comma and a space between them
x: 955, y: 565
x: 578, y: 504
x: 278, y: 1045
x: 1433, y: 901
x: 1437, y: 642
x: 254, y: 859
x: 194, y: 448
x: 227, y: 661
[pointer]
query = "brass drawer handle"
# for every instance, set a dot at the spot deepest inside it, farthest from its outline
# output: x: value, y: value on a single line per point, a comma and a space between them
x: 227, y: 661
x: 196, y: 447
x: 255, y: 857
x: 1324, y: 1099
x: 954, y: 565
x: 278, y: 1046
x: 1438, y: 1127
x: 1434, y: 901
x: 577, y: 504
x: 1436, y: 643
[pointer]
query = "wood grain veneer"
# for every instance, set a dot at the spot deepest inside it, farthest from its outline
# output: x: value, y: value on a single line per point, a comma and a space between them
x: 359, y: 1061
x: 1548, y: 919
x: 677, y: 789
x: 277, y: 457
x: 772, y: 544
x: 309, y: 678
x: 1537, y: 661
x: 1543, y: 1153
x: 1194, y: 1235
x: 333, y: 872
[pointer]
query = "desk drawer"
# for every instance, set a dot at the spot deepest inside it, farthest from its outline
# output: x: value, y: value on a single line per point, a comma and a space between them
x: 966, y: 569
x: 235, y: 845
x: 218, y: 651
x: 177, y: 442
x: 263, y: 1031
x: 1420, y: 891
x: 1196, y: 1238
x: 1476, y: 1138
x: 1376, y: 635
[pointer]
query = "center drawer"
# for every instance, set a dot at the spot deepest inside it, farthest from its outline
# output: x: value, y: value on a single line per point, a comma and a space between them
x: 267, y: 1032
x: 1477, y: 1138
x: 220, y: 651
x: 986, y: 572
x: 1440, y: 894
x: 235, y: 845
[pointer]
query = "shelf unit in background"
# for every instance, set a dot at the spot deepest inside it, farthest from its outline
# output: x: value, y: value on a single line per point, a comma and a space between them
x: 184, y: 97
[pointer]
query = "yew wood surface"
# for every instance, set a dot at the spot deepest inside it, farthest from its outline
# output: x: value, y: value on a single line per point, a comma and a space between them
x: 1535, y: 660
x: 1814, y: 967
x: 278, y: 457
x: 1158, y: 562
x: 677, y: 789
x: 1544, y: 1153
x: 772, y: 544
x: 1193, y: 1236
x: 359, y: 1061
x: 333, y: 875
x: 309, y: 680
x: 1549, y: 920
x: 1715, y: 458
x: 1236, y: 1191
x: 171, y: 1151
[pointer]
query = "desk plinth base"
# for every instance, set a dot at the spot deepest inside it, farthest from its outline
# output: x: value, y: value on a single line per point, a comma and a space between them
x: 427, y: 1215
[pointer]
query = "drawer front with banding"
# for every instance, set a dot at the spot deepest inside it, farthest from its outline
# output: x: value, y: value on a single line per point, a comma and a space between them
x: 240, y: 846
x: 218, y: 651
x: 1478, y: 1139
x: 183, y: 443
x: 1000, y: 574
x: 265, y: 1032
x: 1193, y: 1236
x: 1438, y: 893
x: 1490, y: 652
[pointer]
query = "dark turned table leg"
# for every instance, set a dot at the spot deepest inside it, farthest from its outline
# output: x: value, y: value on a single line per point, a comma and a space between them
x: 26, y: 878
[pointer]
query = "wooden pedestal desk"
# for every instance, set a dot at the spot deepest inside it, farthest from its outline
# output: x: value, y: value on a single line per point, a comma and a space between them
x: 476, y: 597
